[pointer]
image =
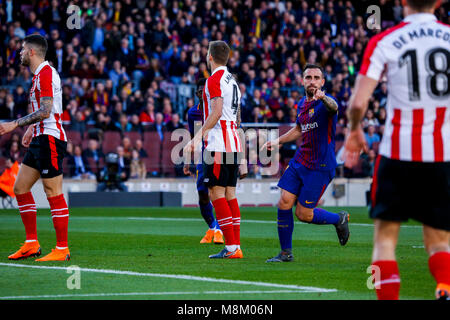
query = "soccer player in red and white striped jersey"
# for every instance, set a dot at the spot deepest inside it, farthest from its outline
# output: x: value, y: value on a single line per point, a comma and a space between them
x: 221, y: 103
x: 412, y: 173
x: 46, y: 142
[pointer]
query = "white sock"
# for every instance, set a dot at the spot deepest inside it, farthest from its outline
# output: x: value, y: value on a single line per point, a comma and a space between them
x: 27, y: 241
x: 231, y: 248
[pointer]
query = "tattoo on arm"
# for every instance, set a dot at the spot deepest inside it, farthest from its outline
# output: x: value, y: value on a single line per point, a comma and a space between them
x: 39, y: 115
x: 330, y: 104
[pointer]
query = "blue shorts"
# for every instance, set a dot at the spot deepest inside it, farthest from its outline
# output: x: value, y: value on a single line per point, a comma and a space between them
x: 201, y: 187
x: 308, y: 185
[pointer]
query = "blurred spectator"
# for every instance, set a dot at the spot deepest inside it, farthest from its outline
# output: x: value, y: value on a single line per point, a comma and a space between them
x: 93, y: 151
x: 371, y: 136
x: 124, y: 163
x: 139, y: 147
x: 137, y: 166
x: 127, y: 147
x: 368, y: 163
x: 7, y: 109
x: 14, y: 152
x: 123, y: 125
x: 174, y: 123
x: 159, y: 126
x: 79, y: 166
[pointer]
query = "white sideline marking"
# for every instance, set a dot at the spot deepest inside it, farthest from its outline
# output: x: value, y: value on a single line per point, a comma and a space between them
x: 151, y: 294
x: 179, y: 276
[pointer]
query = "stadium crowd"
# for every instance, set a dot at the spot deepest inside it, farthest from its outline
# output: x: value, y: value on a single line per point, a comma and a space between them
x: 122, y: 68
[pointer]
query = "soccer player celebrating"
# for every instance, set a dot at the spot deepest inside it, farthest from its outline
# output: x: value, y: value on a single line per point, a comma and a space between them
x: 412, y: 173
x: 221, y: 98
x: 313, y: 166
x: 47, y: 141
x: 195, y: 115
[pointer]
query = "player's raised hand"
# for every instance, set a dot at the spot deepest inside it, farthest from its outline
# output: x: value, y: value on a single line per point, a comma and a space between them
x: 319, y: 94
x: 355, y: 142
x: 269, y: 145
x: 6, y: 127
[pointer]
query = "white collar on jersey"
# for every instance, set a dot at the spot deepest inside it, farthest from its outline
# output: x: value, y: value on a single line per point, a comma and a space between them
x: 220, y: 68
x: 39, y: 68
x: 420, y: 17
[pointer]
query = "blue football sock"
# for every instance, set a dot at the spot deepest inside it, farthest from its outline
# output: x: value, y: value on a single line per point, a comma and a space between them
x: 285, y: 228
x: 207, y: 213
x: 216, y: 225
x: 322, y: 216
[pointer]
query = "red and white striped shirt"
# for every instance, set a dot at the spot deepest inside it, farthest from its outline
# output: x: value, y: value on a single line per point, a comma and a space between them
x: 416, y: 55
x: 223, y: 137
x: 46, y: 83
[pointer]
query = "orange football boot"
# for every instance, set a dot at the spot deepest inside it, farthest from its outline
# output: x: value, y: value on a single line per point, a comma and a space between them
x: 237, y: 254
x: 218, y: 237
x: 28, y: 249
x: 208, y: 238
x: 57, y: 255
x: 443, y: 291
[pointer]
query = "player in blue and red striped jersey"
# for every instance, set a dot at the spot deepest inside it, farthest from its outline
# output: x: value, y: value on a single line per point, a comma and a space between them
x: 195, y: 116
x: 312, y: 168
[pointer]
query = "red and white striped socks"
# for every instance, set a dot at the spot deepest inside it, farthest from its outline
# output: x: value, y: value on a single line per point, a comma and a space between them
x: 27, y: 208
x: 439, y: 264
x: 225, y: 220
x: 236, y: 214
x: 60, y: 217
x: 389, y: 283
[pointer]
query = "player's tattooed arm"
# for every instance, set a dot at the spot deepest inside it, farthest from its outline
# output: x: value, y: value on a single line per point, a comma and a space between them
x: 39, y: 115
x: 238, y: 116
x: 330, y: 104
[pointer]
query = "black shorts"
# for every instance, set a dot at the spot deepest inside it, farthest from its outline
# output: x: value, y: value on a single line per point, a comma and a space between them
x: 404, y: 190
x: 46, y: 154
x: 223, y: 171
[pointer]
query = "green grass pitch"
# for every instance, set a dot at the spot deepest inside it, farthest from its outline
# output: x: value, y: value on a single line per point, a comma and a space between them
x: 154, y: 253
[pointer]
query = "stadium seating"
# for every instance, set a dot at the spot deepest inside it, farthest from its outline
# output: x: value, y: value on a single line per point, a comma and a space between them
x: 167, y: 166
x: 75, y: 137
x: 152, y: 145
x: 111, y: 140
x: 133, y: 136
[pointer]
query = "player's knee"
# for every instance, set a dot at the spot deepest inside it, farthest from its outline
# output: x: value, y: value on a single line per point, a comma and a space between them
x: 18, y: 189
x: 51, y: 191
x: 304, y: 214
x: 436, y: 247
x: 230, y: 195
x: 285, y: 203
x: 384, y: 250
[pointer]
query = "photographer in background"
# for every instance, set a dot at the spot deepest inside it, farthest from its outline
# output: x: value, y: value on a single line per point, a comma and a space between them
x: 112, y: 177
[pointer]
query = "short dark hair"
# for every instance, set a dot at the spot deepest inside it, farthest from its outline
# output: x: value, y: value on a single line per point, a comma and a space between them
x: 313, y: 66
x: 421, y: 4
x: 201, y: 83
x: 220, y: 51
x: 38, y: 42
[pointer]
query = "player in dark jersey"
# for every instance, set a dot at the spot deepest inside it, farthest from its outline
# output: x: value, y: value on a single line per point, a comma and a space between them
x: 313, y: 167
x: 195, y: 116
